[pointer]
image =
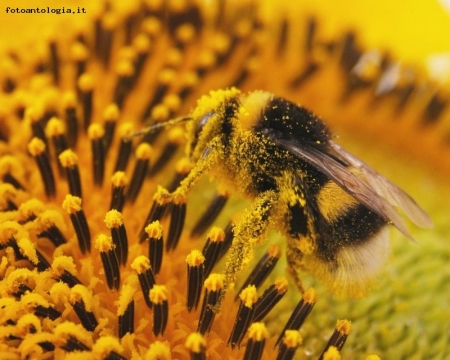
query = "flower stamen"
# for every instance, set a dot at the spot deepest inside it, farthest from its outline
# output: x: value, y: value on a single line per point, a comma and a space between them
x: 210, y: 214
x: 338, y: 338
x: 69, y: 161
x: 244, y: 315
x: 213, y: 293
x: 195, y: 277
x: 143, y: 153
x: 271, y: 296
x: 300, y: 313
x: 105, y: 245
x: 158, y: 297
x: 257, y: 335
x: 145, y: 275
x: 72, y: 204
x: 37, y: 149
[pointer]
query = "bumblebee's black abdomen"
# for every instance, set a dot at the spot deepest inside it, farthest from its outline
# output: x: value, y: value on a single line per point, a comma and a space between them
x: 355, y: 226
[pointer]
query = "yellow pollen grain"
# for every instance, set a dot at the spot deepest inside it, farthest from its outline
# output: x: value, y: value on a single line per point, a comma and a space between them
x: 216, y: 234
x: 49, y: 219
x: 126, y: 297
x: 110, y: 21
x: 103, y: 243
x: 185, y: 33
x: 7, y: 192
x: 34, y: 114
x: 33, y: 299
x: 60, y: 292
x: 143, y: 151
x: 160, y: 112
x: 127, y: 54
x: 166, y: 76
x: 158, y: 294
x: 69, y: 100
x: 151, y: 25
x: 179, y: 199
x: 172, y: 101
x: 36, y: 146
x: 214, y: 282
x: 79, y: 52
x: 54, y: 127
x: 113, y: 219
x: 310, y: 296
x: 161, y: 196
x: 183, y: 166
x: 332, y: 354
x: 119, y: 179
x: 17, y: 277
x: 72, y: 204
x: 154, y: 230
x: 221, y: 43
x: 111, y: 113
x: 9, y: 230
x: 9, y: 164
x: 95, y: 131
x: 195, y: 342
x: 274, y: 251
x: 249, y: 296
x: 26, y: 322
x: 174, y: 58
x: 86, y: 82
x: 244, y: 28
x: 68, y: 329
x: 4, y: 265
x: 306, y: 246
x: 125, y: 68
x: 212, y: 101
x: 105, y: 344
x: 281, y: 284
x: 292, y: 338
x: 158, y: 351
x: 189, y: 79
x: 195, y: 258
x: 81, y: 293
x: 68, y: 158
x: 125, y: 129
x: 28, y: 249
x: 207, y: 59
x: 141, y: 264
x: 63, y: 263
x: 30, y: 208
x: 142, y: 43
x: 176, y: 136
x: 258, y: 331
x: 344, y: 326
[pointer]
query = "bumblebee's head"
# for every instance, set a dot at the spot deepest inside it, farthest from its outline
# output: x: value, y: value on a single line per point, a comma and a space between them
x: 211, y: 119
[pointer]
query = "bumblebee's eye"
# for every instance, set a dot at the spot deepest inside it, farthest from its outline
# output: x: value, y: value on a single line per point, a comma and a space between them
x: 198, y: 129
x: 202, y: 123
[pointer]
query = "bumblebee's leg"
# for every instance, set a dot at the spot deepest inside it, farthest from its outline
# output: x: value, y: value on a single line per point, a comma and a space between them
x: 248, y: 231
x: 209, y: 158
x: 293, y: 257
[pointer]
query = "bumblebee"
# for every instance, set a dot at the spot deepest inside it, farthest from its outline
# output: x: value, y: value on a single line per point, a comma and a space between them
x: 333, y: 209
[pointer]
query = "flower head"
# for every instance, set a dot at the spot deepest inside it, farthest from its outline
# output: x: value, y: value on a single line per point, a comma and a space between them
x: 99, y: 257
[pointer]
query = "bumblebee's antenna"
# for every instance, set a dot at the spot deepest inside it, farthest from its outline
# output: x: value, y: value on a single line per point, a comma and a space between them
x: 153, y: 127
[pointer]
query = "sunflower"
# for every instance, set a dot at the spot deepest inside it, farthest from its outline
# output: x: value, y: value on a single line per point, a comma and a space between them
x: 94, y: 262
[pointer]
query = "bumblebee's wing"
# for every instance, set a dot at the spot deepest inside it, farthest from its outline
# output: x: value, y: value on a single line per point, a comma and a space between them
x: 356, y: 186
x: 385, y: 188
